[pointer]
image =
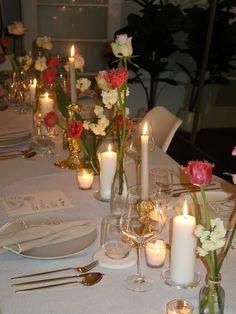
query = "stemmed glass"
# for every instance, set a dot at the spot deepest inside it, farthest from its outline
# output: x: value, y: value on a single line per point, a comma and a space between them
x: 161, y: 181
x: 136, y: 224
x: 133, y: 143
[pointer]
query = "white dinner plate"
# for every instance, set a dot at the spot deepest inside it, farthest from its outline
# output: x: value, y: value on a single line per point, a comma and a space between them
x: 61, y: 250
x: 14, y: 142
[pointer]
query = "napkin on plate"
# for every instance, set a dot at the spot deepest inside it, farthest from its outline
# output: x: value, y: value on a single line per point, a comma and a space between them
x: 20, y: 236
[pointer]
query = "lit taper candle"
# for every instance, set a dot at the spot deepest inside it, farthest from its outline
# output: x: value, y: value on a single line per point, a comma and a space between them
x: 144, y: 162
x: 72, y: 75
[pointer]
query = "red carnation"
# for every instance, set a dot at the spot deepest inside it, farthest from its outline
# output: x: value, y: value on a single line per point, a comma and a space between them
x: 52, y: 61
x: 51, y: 119
x: 74, y: 129
x: 117, y: 76
x: 49, y: 76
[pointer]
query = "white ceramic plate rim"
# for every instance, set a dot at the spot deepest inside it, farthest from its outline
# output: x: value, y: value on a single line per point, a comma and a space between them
x: 60, y: 250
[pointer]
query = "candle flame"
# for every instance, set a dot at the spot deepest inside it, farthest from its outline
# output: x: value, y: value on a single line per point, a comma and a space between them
x: 34, y: 81
x: 109, y: 148
x: 72, y: 51
x: 185, y: 209
x: 145, y: 128
x: 46, y: 95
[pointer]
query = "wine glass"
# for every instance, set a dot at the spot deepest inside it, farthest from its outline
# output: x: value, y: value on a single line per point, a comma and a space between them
x: 162, y: 183
x: 136, y: 224
x: 133, y: 143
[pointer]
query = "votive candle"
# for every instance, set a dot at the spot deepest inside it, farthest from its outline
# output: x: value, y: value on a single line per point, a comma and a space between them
x: 156, y: 253
x: 179, y: 306
x: 85, y: 178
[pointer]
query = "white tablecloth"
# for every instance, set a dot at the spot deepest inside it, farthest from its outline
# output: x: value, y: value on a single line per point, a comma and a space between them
x: 21, y: 176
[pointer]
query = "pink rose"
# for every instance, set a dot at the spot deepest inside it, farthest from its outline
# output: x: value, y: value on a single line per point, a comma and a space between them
x: 49, y: 76
x: 51, y: 119
x: 234, y: 151
x: 74, y: 129
x: 117, y: 76
x: 52, y: 61
x: 200, y: 172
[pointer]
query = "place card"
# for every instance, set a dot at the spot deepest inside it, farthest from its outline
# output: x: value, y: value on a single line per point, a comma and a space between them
x: 35, y: 202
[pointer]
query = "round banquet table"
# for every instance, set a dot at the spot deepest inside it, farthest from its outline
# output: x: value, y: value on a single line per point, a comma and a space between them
x: 22, y: 176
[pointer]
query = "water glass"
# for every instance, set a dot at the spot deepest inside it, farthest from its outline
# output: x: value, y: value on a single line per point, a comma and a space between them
x: 114, y: 244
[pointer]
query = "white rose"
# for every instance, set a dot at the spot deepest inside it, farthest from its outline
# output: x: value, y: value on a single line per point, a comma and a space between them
x: 16, y: 28
x: 122, y: 47
x: 79, y: 62
x: 44, y: 42
x: 83, y: 84
x: 40, y: 64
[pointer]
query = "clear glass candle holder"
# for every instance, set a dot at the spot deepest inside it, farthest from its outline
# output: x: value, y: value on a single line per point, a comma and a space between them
x: 155, y: 253
x: 179, y: 306
x: 85, y: 178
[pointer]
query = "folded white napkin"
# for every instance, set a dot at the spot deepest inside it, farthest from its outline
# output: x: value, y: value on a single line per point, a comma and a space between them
x: 19, y: 236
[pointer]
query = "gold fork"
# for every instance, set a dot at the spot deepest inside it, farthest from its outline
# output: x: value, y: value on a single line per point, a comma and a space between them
x: 80, y: 269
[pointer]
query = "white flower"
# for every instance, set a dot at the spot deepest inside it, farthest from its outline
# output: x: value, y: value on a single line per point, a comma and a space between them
x: 201, y: 252
x: 201, y: 232
x: 79, y: 62
x: 83, y: 84
x: 102, y: 80
x: 126, y: 111
x: 40, y: 64
x: 109, y: 97
x: 86, y: 125
x: 25, y: 62
x: 44, y: 42
x: 16, y: 28
x: 122, y: 47
x: 98, y: 110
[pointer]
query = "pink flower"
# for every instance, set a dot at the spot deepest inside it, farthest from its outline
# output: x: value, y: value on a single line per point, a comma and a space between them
x: 103, y: 80
x: 49, y: 76
x: 117, y: 76
x: 52, y: 61
x: 200, y: 172
x: 234, y: 151
x: 51, y: 119
x: 75, y: 128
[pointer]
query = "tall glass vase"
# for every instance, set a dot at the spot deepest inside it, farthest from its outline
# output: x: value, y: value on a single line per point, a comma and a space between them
x: 119, y: 190
x: 212, y: 297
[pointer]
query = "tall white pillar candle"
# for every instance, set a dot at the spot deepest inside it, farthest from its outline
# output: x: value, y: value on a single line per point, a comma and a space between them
x: 107, y: 172
x: 144, y: 162
x: 72, y: 76
x: 183, y: 248
x: 46, y: 104
x: 33, y: 90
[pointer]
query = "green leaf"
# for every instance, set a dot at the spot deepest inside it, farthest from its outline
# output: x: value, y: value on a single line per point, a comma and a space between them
x: 62, y: 100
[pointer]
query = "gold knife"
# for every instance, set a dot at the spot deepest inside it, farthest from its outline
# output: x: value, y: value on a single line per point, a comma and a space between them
x: 52, y: 279
x: 48, y: 286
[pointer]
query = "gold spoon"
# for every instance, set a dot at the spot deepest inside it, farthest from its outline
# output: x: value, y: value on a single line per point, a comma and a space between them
x: 88, y: 280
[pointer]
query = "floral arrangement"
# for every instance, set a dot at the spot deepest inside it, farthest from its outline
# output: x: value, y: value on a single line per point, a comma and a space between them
x: 213, y: 246
x: 12, y: 47
x: 113, y: 84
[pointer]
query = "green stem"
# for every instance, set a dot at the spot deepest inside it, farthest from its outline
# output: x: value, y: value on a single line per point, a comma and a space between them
x: 88, y: 155
x: 205, y: 207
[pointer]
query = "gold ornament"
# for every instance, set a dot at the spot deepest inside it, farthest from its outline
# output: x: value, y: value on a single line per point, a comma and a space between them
x: 73, y: 161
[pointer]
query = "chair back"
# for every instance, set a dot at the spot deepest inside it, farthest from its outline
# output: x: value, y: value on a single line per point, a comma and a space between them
x: 164, y: 125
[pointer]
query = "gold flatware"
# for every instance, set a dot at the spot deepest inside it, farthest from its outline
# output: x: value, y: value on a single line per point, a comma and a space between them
x: 182, y: 191
x: 89, y: 275
x: 80, y: 269
x: 88, y: 280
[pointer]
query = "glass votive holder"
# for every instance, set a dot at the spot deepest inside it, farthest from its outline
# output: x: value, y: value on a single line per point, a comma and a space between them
x: 179, y: 306
x: 85, y: 178
x: 155, y: 253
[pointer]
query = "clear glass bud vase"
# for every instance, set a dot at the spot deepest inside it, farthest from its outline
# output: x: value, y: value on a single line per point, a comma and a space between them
x: 212, y: 297
x: 118, y: 193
